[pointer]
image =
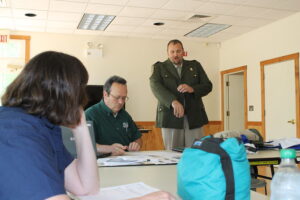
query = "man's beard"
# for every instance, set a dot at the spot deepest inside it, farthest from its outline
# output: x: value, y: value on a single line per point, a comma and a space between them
x: 178, y: 62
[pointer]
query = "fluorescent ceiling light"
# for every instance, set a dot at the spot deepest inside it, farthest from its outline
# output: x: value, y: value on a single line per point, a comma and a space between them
x: 95, y: 22
x: 3, y: 3
x: 207, y: 30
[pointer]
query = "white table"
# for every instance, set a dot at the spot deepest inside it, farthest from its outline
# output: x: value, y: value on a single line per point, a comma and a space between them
x: 266, y: 158
x: 163, y: 177
x: 267, y: 155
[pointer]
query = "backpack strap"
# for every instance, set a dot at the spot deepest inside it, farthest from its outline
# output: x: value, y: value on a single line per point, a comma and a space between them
x: 212, y: 145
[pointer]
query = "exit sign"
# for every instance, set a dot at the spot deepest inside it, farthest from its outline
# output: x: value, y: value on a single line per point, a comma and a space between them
x: 4, y: 38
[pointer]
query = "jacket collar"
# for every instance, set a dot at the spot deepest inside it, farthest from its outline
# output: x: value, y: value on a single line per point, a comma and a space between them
x: 171, y: 68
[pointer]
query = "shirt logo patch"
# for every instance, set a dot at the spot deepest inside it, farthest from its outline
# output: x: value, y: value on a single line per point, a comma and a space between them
x: 125, y: 125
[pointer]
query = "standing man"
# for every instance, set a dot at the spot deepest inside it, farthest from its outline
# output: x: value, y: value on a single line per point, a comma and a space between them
x: 114, y: 128
x: 179, y: 86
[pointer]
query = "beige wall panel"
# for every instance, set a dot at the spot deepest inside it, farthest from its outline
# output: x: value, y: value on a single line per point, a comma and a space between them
x: 131, y: 58
x: 277, y: 39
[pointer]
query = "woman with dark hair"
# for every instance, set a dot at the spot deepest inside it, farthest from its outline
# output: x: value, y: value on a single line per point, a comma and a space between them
x: 34, y: 164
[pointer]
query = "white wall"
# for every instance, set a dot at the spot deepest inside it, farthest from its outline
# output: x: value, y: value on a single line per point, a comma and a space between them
x: 132, y: 59
x: 277, y: 39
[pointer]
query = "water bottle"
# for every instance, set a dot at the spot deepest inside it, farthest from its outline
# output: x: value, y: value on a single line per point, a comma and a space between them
x: 286, y: 181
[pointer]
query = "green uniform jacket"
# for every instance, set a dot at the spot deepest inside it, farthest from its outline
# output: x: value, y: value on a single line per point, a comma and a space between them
x: 164, y: 82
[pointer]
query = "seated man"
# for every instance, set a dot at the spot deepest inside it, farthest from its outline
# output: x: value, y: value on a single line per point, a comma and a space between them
x: 114, y: 128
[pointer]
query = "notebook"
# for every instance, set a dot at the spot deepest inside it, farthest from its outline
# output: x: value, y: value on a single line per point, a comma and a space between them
x: 69, y: 140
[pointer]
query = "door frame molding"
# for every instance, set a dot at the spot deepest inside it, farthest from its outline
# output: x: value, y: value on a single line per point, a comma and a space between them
x: 242, y: 69
x: 294, y: 57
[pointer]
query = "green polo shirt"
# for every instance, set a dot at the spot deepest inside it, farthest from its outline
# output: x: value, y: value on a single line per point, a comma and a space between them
x: 110, y: 129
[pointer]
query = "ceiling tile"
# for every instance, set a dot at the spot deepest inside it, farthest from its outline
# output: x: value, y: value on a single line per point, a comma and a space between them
x: 175, y: 31
x: 147, y: 29
x: 221, y: 36
x: 110, y: 2
x: 87, y: 32
x: 63, y: 16
x: 167, y: 23
x: 128, y: 20
x: 67, y: 6
x: 135, y: 18
x: 187, y: 5
x: 274, y: 14
x: 62, y: 24
x: 192, y: 26
x: 192, y: 17
x: 140, y: 35
x: 30, y: 22
x: 216, y: 8
x: 173, y: 23
x: 147, y: 3
x: 293, y: 5
x: 81, y: 1
x: 231, y: 1
x: 6, y: 23
x: 30, y: 4
x: 20, y: 13
x: 103, y: 9
x: 120, y: 28
x: 247, y: 11
x: 170, y: 14
x: 290, y: 5
x: 115, y: 34
x: 59, y: 30
x: 253, y: 22
x: 237, y: 29
x: 5, y: 12
x: 30, y: 28
x: 137, y: 12
x: 231, y: 20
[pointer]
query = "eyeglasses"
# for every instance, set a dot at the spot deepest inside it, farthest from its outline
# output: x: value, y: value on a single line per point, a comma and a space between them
x: 118, y: 98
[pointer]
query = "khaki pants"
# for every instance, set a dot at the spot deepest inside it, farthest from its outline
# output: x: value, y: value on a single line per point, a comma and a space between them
x: 180, y: 137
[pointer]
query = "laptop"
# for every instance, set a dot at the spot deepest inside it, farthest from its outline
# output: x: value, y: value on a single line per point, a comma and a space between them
x: 69, y: 140
x: 178, y: 149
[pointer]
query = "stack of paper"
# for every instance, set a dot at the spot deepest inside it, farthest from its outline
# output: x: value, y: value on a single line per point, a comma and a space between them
x: 286, y: 142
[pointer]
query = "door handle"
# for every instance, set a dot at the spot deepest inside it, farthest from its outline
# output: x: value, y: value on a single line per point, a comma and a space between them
x: 291, y: 121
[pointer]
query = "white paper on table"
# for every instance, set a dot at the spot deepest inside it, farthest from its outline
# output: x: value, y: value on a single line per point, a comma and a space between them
x: 122, y: 160
x: 122, y: 192
x: 141, y: 158
x: 160, y: 158
x: 286, y: 142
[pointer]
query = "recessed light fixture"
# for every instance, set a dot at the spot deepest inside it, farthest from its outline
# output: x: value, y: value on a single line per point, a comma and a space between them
x: 95, y: 22
x: 158, y: 23
x: 207, y: 30
x: 30, y: 14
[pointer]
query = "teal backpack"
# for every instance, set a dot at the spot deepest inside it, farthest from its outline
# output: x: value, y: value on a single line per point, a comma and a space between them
x: 214, y: 169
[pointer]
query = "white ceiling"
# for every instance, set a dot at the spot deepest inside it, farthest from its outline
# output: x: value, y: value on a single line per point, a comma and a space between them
x: 135, y: 18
